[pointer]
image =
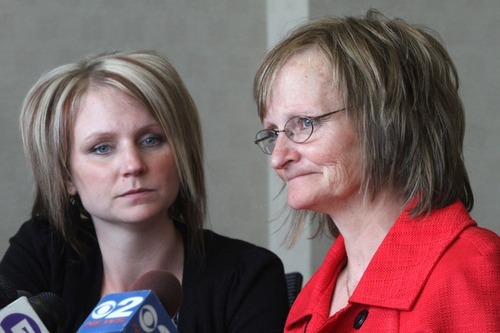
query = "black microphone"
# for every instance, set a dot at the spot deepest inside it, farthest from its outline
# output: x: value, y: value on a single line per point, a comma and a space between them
x: 22, y: 312
x: 8, y: 293
x: 139, y: 310
x: 51, y: 310
x: 21, y: 293
x: 43, y: 313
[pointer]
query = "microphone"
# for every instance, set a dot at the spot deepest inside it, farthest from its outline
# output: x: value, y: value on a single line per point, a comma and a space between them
x: 43, y: 313
x: 23, y: 293
x: 8, y: 293
x: 51, y: 310
x: 166, y: 287
x: 139, y: 310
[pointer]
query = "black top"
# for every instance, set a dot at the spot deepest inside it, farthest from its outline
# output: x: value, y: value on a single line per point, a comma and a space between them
x: 236, y: 287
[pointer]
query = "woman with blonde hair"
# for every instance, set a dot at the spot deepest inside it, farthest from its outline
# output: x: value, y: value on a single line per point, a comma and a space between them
x: 116, y: 149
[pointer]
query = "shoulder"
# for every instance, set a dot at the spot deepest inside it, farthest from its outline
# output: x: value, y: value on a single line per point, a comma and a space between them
x: 474, y: 255
x: 219, y: 242
x: 33, y: 251
x: 38, y: 243
x: 475, y: 249
x: 227, y: 250
x: 471, y: 264
x: 40, y: 233
x: 482, y: 242
x: 244, y: 282
x: 473, y: 252
x: 233, y: 261
x: 37, y: 232
x: 463, y: 286
x: 36, y: 225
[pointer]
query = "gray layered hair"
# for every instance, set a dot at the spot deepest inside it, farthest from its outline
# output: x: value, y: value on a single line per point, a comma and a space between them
x: 401, y: 90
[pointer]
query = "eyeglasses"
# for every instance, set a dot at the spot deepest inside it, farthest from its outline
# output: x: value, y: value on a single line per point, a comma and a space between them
x: 298, y: 129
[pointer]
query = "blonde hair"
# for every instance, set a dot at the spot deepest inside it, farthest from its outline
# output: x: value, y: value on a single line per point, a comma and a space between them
x: 47, y: 118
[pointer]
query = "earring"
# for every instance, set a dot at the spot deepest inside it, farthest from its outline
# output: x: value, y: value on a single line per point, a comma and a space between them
x: 74, y: 217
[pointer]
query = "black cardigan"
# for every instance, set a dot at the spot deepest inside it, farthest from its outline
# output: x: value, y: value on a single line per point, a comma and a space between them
x: 238, y: 287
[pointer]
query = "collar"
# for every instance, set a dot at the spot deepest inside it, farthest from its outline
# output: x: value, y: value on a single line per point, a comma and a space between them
x: 400, y: 266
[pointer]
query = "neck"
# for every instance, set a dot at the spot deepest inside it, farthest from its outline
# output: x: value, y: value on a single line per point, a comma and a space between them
x: 364, y: 227
x: 128, y: 251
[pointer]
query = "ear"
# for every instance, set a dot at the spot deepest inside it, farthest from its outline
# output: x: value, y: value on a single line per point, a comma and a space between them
x: 70, y: 187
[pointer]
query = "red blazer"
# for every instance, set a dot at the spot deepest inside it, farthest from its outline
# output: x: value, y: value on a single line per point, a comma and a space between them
x: 437, y: 273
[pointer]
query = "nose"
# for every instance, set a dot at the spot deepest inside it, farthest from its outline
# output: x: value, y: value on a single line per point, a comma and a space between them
x: 133, y: 163
x: 283, y: 153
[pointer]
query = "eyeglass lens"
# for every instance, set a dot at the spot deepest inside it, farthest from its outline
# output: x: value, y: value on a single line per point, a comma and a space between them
x: 298, y: 129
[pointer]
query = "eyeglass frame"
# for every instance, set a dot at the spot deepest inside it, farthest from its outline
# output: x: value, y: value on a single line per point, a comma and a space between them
x: 313, y: 120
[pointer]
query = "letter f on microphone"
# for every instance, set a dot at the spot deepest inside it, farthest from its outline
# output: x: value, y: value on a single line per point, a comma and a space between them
x: 19, y: 317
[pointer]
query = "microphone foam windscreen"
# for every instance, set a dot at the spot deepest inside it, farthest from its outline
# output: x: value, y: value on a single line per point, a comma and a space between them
x: 165, y: 285
x: 21, y: 293
x: 51, y: 310
x: 8, y: 292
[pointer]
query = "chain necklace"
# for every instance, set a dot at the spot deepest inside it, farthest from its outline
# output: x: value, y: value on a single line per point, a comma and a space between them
x: 347, y: 285
x: 349, y: 293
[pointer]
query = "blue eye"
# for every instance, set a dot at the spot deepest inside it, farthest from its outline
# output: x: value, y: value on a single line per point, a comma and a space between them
x: 101, y: 149
x: 306, y: 122
x: 153, y: 140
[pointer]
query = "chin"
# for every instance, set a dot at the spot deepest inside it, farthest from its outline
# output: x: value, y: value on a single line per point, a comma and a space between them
x: 298, y: 203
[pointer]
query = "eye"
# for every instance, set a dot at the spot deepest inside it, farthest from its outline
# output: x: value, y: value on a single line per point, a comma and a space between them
x: 298, y: 124
x: 305, y: 122
x: 101, y: 149
x: 152, y: 140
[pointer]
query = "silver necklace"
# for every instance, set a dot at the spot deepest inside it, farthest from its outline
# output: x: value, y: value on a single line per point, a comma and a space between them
x: 349, y: 293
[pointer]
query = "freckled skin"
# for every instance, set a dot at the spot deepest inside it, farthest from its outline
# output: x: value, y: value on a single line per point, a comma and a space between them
x: 325, y: 171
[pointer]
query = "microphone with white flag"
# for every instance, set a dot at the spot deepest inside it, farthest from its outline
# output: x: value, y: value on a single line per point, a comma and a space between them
x: 42, y: 313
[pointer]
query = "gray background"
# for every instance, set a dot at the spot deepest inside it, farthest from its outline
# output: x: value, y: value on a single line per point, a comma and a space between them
x: 216, y: 46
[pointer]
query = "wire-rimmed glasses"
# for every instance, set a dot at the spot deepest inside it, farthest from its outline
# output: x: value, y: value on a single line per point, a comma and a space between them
x: 298, y: 129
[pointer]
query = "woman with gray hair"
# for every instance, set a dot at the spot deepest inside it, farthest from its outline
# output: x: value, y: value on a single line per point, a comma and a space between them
x: 115, y: 145
x: 364, y: 124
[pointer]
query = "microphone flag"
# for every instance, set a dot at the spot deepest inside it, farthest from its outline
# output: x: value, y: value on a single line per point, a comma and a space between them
x: 20, y: 317
x: 132, y: 311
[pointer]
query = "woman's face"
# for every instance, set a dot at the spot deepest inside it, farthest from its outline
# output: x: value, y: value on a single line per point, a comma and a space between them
x: 121, y: 164
x: 325, y: 171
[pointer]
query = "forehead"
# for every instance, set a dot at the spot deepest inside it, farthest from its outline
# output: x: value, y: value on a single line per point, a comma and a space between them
x: 108, y: 108
x: 304, y: 85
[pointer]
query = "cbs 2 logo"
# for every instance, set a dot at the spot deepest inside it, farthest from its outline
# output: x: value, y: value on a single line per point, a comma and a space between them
x: 110, y: 309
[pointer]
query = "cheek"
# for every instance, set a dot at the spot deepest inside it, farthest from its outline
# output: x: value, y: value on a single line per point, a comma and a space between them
x: 85, y: 174
x: 167, y: 167
x: 340, y: 153
x: 88, y: 179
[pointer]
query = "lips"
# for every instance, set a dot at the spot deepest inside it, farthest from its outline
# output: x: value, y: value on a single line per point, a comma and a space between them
x: 289, y: 177
x: 135, y: 191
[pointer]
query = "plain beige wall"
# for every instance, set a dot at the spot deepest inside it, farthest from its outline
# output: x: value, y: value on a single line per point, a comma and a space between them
x: 216, y: 46
x: 207, y: 41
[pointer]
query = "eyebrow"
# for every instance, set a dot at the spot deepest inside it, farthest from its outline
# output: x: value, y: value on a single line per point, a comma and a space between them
x: 109, y: 134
